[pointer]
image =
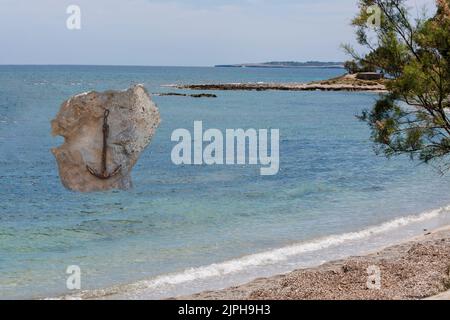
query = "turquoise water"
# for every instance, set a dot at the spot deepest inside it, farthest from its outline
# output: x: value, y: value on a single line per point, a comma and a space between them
x: 179, y: 217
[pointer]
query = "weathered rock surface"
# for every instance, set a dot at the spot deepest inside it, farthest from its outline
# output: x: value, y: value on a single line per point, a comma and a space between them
x: 133, y: 119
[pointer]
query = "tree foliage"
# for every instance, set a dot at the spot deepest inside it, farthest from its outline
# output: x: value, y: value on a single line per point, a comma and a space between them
x: 413, y: 117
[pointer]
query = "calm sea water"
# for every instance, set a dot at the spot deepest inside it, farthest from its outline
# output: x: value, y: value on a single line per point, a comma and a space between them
x: 181, y: 217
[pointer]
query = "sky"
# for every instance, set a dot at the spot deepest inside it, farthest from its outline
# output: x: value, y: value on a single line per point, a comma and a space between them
x: 176, y: 32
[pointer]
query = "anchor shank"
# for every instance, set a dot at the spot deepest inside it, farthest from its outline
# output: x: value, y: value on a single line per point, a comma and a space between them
x: 104, y: 150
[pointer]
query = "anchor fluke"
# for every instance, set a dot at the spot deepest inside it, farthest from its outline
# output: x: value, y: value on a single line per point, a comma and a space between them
x: 104, y: 175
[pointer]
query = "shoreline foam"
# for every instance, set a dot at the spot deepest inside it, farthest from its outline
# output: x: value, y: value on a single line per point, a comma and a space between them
x: 215, y: 272
x: 416, y: 269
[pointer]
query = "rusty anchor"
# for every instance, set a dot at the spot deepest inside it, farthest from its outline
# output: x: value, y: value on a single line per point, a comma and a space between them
x: 104, y: 173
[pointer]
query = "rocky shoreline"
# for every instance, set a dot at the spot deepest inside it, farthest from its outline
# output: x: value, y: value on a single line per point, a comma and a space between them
x: 343, y: 83
x: 412, y: 270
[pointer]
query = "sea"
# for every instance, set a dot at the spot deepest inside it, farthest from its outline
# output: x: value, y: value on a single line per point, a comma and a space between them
x: 187, y: 228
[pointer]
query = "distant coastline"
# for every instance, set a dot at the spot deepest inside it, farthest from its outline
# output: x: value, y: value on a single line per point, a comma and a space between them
x: 285, y: 64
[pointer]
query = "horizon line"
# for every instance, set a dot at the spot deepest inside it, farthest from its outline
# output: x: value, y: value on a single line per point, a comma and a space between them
x: 91, y: 65
x: 139, y: 65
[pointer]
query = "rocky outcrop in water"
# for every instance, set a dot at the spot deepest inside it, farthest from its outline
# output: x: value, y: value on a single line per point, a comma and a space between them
x: 195, y: 95
x: 342, y: 83
x: 104, y: 134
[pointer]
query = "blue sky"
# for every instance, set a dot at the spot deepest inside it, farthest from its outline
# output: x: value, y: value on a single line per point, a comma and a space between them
x: 176, y: 32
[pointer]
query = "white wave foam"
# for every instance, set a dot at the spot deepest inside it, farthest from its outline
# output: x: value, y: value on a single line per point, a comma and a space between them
x: 269, y: 257
x: 282, y: 254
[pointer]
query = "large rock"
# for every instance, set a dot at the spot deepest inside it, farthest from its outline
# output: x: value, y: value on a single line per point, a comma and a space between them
x: 133, y: 119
